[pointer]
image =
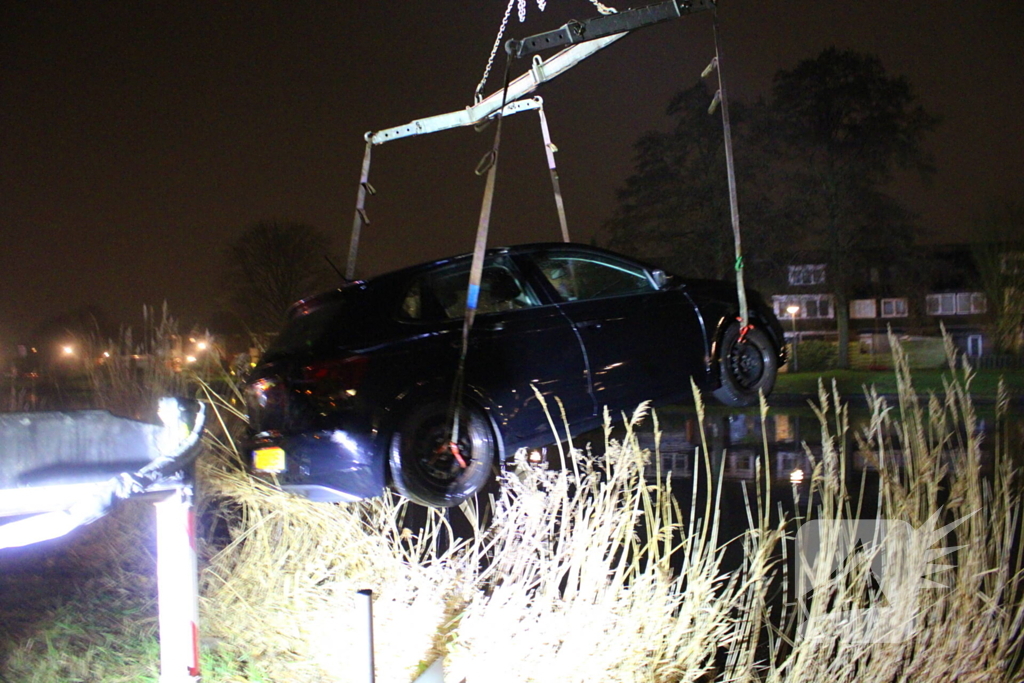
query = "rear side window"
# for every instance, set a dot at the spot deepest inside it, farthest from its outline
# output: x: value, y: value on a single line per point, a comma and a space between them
x: 441, y: 294
x: 314, y: 328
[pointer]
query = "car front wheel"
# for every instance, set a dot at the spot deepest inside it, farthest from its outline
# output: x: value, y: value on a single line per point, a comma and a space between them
x: 747, y: 366
x: 426, y: 469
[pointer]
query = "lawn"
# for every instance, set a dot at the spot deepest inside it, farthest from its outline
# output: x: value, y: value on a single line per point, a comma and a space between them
x: 984, y: 387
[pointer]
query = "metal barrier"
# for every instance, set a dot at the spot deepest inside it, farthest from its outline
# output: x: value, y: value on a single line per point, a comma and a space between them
x: 68, y: 469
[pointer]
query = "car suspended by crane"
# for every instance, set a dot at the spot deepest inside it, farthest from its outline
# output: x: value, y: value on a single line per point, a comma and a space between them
x: 392, y: 381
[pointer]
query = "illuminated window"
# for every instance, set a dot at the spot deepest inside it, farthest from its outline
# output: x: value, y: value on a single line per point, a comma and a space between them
x: 811, y: 306
x: 862, y: 308
x: 807, y: 274
x: 956, y: 303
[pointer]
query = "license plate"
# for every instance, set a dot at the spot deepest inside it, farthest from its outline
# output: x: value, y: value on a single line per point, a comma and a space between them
x: 270, y: 459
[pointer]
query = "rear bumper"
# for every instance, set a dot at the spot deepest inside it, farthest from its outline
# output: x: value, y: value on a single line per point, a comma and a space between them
x: 332, y: 466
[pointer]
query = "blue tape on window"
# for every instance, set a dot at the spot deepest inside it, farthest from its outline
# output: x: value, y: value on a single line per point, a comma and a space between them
x: 472, y: 296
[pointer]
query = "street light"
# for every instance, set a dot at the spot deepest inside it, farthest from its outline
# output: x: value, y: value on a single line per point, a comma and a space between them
x: 793, y: 309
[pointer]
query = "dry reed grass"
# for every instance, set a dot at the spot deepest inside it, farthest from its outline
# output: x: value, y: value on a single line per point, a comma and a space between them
x: 137, y: 370
x: 571, y: 578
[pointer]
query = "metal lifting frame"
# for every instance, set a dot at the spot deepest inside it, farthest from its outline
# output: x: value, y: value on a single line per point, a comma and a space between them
x: 585, y: 38
x: 415, y: 128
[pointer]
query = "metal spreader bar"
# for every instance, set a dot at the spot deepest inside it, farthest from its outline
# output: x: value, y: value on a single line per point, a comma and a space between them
x: 541, y: 72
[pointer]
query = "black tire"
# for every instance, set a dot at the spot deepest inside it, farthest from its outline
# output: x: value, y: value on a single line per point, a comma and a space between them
x: 746, y: 367
x: 426, y: 472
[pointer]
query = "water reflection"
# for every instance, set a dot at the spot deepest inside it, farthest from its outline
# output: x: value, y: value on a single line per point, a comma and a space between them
x: 737, y: 440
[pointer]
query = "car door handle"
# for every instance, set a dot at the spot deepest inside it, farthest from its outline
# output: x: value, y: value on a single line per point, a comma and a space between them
x: 590, y: 324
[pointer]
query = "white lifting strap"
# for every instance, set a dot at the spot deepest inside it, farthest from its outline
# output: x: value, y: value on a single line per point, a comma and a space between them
x: 549, y: 150
x: 476, y: 269
x: 734, y: 211
x: 360, y: 218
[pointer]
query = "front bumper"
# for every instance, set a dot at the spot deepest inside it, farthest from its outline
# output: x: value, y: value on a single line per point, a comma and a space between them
x: 331, y: 466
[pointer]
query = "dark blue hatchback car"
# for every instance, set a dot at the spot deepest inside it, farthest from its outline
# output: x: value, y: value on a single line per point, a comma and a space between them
x: 356, y: 392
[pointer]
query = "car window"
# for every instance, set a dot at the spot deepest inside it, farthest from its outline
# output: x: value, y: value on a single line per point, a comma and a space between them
x: 577, y: 277
x: 310, y: 328
x: 441, y: 294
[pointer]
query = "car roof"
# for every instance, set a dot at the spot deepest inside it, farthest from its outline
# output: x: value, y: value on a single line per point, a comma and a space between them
x: 389, y: 277
x: 513, y: 249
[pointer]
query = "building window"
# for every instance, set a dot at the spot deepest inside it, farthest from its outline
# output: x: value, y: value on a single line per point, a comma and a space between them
x: 807, y: 274
x: 862, y: 308
x: 974, y: 345
x: 894, y: 308
x: 810, y: 306
x: 958, y: 303
x: 940, y: 304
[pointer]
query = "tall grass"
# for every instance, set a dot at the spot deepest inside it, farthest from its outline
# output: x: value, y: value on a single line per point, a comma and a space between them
x: 573, y: 578
x: 137, y: 369
x: 590, y: 572
x: 948, y: 603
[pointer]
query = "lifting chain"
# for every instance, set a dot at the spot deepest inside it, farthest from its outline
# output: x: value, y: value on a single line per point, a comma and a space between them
x: 521, y: 10
x: 478, y: 95
x: 602, y: 8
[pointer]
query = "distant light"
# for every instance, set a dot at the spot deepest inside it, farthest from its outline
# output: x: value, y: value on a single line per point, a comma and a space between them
x: 792, y: 310
x: 201, y: 345
x: 106, y: 354
x: 536, y: 456
x: 68, y: 350
x: 796, y: 476
x: 190, y: 359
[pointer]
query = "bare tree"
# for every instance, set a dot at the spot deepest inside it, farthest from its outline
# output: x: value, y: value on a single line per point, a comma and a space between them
x: 270, y: 266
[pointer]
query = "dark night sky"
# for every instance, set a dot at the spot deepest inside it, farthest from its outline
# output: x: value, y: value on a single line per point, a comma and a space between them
x: 136, y: 139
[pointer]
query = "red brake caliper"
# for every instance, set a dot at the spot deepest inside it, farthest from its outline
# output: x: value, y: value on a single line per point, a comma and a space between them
x: 453, y: 448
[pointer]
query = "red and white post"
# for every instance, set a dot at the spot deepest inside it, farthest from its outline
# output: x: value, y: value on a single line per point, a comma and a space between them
x: 178, y: 587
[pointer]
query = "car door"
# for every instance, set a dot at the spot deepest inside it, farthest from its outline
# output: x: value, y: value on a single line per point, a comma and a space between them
x: 641, y: 341
x: 519, y: 340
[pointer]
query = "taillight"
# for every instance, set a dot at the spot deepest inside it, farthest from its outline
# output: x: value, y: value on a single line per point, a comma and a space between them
x: 266, y: 393
x: 335, y: 376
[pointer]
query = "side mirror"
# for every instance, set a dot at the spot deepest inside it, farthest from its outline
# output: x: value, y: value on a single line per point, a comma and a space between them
x: 659, y: 277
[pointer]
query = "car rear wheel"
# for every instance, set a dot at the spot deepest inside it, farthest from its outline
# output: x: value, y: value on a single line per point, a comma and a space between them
x: 747, y: 366
x: 424, y: 466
